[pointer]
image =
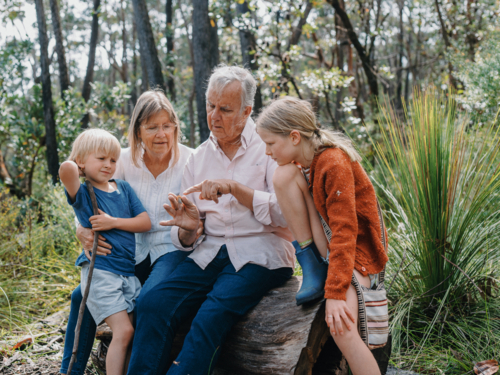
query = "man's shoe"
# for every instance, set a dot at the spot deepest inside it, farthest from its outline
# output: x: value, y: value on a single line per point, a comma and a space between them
x: 314, y: 271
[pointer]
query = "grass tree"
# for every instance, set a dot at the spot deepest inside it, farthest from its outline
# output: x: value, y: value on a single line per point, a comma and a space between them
x: 441, y: 181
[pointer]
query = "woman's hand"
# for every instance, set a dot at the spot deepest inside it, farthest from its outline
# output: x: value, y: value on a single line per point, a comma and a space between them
x: 102, y: 222
x: 185, y: 215
x: 337, y: 311
x: 86, y: 238
x: 211, y: 189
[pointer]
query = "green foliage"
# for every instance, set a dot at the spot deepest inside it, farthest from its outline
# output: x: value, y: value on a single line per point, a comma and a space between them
x: 442, y: 191
x: 39, y: 247
x: 481, y: 78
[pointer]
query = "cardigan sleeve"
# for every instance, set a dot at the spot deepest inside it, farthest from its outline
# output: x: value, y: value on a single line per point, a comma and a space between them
x: 337, y: 191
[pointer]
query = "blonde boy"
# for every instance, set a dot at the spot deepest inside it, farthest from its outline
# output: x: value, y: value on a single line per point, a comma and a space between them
x: 114, y: 287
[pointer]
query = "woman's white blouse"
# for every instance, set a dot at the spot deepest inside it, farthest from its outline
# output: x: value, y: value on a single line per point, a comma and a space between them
x: 153, y: 193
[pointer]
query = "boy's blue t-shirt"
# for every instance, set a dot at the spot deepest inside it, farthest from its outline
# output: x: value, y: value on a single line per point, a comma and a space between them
x: 122, y: 203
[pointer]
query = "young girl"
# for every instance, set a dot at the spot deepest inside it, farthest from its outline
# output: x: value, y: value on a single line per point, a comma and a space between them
x: 114, y: 287
x: 345, y: 198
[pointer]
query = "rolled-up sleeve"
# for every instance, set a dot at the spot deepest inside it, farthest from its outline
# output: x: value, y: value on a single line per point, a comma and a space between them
x: 265, y: 204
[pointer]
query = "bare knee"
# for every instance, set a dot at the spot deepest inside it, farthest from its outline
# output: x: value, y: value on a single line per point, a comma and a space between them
x: 285, y: 175
x: 123, y: 336
x: 348, y: 339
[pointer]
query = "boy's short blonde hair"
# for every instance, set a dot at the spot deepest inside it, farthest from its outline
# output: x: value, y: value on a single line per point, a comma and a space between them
x: 94, y: 141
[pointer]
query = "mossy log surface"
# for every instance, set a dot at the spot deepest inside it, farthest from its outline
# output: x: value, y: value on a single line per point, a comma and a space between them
x: 275, y: 337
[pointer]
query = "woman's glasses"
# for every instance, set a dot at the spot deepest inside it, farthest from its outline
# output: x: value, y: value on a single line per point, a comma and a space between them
x: 153, y: 129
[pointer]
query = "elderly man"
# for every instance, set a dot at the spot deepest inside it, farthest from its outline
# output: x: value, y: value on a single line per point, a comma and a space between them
x: 246, y: 250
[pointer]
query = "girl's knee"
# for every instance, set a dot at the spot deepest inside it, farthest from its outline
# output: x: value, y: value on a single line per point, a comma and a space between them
x: 284, y: 175
x: 347, y: 339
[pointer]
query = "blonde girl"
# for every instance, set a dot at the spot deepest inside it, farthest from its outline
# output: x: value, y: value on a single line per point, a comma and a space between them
x: 345, y: 198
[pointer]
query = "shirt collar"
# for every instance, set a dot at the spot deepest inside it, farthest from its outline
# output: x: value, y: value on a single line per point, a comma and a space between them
x: 246, y: 135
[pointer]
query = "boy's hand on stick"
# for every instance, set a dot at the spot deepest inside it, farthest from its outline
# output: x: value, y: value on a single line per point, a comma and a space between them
x: 102, y: 222
x: 337, y: 311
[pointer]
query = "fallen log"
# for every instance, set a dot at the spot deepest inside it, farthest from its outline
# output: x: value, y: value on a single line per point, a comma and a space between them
x: 275, y: 337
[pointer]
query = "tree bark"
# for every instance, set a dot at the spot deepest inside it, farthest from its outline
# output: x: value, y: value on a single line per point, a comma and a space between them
x: 170, y: 51
x: 148, y: 46
x: 206, y: 57
x: 447, y: 44
x: 297, y: 32
x: 89, y: 75
x: 248, y: 44
x: 48, y: 109
x: 61, y: 56
x: 268, y: 341
x: 363, y: 56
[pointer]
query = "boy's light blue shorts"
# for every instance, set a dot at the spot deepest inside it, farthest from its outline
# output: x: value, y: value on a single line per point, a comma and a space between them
x: 109, y: 293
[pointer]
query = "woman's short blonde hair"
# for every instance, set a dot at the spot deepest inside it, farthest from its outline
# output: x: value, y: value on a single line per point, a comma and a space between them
x: 94, y: 141
x: 149, y: 104
x: 288, y: 113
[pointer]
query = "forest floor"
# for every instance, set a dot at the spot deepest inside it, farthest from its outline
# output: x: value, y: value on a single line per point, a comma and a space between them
x: 40, y: 352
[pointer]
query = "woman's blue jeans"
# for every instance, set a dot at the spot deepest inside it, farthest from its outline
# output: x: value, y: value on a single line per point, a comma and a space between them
x: 149, y: 276
x: 218, y: 295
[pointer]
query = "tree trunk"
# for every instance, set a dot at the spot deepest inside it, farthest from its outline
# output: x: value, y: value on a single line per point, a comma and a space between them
x: 170, y: 51
x: 248, y: 44
x: 61, y: 57
x: 48, y: 109
x: 89, y: 75
x: 148, y: 46
x: 399, y: 65
x: 363, y: 56
x: 206, y: 57
x: 268, y: 341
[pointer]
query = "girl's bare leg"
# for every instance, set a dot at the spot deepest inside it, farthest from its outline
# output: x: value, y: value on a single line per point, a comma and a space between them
x: 123, y: 332
x: 129, y: 350
x: 297, y: 206
x: 357, y: 354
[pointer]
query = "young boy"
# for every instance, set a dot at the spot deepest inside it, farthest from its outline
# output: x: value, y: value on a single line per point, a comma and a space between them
x: 114, y: 287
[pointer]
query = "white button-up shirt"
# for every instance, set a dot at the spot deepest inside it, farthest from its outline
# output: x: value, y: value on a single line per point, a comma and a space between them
x: 260, y: 237
x: 153, y: 193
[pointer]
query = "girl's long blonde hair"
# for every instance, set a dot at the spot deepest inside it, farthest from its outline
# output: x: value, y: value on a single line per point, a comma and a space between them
x: 288, y: 113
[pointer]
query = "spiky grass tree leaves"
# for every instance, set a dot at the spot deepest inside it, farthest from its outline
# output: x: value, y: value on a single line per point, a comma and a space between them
x: 442, y: 191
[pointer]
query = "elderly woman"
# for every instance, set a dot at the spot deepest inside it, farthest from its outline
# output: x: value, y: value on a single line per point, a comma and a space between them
x: 153, y: 166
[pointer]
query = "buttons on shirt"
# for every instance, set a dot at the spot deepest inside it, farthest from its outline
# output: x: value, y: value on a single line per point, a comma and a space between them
x: 363, y: 269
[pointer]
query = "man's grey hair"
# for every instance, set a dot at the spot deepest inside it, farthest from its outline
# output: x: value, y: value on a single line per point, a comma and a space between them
x: 223, y: 75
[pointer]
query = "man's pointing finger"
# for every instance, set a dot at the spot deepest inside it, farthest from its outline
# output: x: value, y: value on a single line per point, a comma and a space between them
x: 192, y: 189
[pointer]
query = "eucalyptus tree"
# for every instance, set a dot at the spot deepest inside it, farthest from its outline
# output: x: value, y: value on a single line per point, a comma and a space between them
x: 48, y: 109
x: 206, y: 57
x: 61, y: 56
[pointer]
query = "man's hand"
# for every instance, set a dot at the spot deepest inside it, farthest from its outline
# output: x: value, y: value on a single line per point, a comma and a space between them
x: 102, y: 221
x: 86, y: 238
x: 185, y: 215
x: 212, y: 189
x: 337, y: 311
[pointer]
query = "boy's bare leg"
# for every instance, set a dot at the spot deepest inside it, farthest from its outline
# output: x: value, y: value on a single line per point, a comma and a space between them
x: 297, y: 206
x: 129, y: 350
x: 123, y: 331
x: 357, y: 354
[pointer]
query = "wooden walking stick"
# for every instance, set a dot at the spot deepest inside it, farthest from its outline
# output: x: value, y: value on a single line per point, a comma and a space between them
x: 89, y: 280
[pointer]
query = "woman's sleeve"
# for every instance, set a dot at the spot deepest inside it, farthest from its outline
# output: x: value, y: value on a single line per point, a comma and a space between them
x: 337, y: 180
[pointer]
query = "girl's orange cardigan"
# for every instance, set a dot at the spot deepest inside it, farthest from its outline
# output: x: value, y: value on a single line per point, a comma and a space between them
x: 345, y: 197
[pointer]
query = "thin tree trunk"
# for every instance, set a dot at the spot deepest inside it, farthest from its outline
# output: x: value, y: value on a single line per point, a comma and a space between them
x: 148, y: 46
x: 447, y: 43
x: 48, y: 109
x: 61, y: 57
x: 248, y: 45
x: 363, y: 56
x: 89, y: 76
x: 399, y: 65
x: 192, y: 124
x: 133, y: 92
x: 170, y: 51
x: 205, y: 53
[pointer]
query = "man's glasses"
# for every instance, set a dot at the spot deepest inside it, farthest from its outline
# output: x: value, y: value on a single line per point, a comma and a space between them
x: 153, y: 129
